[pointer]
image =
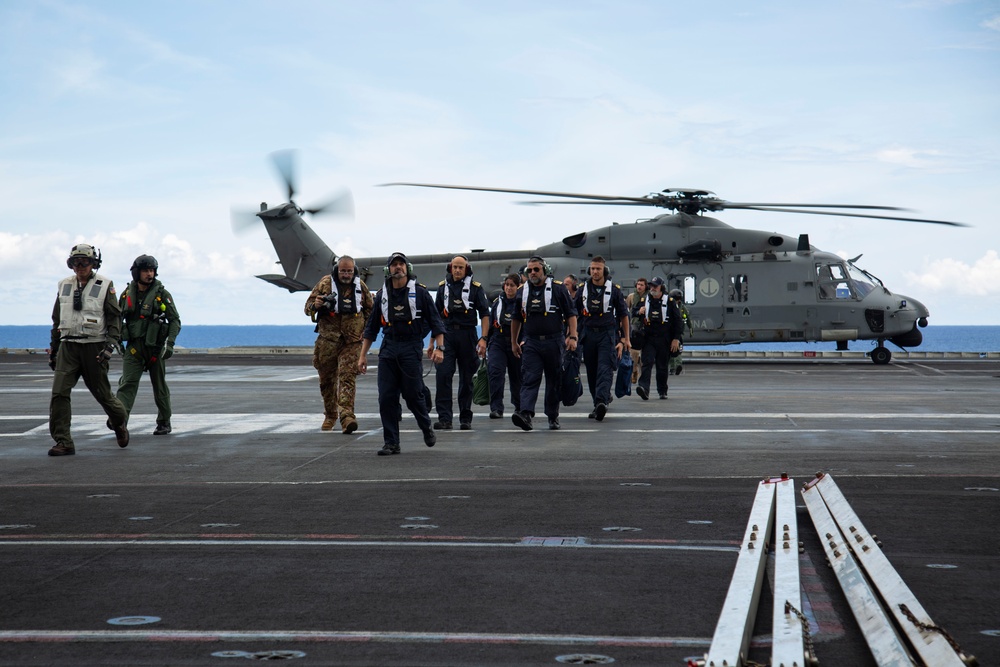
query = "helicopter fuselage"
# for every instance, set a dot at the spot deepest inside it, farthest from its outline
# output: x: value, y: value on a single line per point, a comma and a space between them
x: 739, y: 285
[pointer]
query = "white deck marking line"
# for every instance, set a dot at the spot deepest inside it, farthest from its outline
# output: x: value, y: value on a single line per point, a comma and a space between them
x: 295, y: 416
x: 116, y: 636
x: 352, y: 543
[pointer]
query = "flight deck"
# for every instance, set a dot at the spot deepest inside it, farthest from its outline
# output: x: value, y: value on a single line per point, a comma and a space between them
x: 248, y: 533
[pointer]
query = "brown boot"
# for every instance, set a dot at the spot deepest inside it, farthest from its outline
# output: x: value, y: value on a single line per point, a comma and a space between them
x: 328, y: 424
x: 350, y: 425
x: 62, y: 450
x: 121, y: 436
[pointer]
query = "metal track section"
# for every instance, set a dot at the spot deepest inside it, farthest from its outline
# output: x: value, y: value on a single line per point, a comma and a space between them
x: 735, y: 627
x: 886, y: 646
x: 789, y: 628
x: 932, y: 645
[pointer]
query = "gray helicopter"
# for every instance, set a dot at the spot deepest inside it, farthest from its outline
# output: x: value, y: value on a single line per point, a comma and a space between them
x: 739, y: 285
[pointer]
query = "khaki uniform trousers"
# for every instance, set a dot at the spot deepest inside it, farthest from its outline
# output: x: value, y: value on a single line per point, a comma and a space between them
x: 337, y: 363
x: 73, y: 361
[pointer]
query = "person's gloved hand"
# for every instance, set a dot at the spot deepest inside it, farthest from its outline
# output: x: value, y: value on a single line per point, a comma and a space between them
x: 168, y: 352
x: 52, y: 359
x: 105, y: 356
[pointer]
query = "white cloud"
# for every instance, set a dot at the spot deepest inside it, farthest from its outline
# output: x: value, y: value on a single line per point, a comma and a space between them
x: 981, y: 278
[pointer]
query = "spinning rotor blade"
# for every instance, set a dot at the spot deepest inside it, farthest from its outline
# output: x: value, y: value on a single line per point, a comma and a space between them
x: 573, y: 195
x: 589, y: 203
x: 284, y: 162
x: 692, y: 201
x: 855, y: 215
x: 342, y: 204
x: 242, y: 220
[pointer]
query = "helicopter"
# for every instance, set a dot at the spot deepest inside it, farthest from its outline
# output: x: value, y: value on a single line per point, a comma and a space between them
x: 738, y: 285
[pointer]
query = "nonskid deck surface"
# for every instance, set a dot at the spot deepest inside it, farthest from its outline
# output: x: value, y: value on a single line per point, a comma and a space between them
x: 249, y: 532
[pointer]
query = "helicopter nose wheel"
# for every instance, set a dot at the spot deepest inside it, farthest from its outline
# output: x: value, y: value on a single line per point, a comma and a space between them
x: 881, y: 354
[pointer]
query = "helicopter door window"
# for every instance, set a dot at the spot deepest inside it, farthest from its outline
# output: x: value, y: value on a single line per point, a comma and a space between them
x: 833, y: 282
x: 688, y: 287
x: 738, y: 290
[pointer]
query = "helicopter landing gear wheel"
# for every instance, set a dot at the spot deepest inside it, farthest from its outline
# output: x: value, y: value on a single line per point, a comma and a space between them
x: 881, y: 355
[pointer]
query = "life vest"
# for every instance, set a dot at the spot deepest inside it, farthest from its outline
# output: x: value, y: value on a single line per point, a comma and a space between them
x: 547, y: 298
x: 411, y: 288
x: 664, y: 310
x: 466, y: 292
x: 139, y: 309
x: 86, y: 325
x: 336, y: 305
x: 607, y: 299
x: 498, y: 312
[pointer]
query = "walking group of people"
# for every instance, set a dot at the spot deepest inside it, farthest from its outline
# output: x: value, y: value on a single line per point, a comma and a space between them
x: 90, y: 321
x: 523, y: 335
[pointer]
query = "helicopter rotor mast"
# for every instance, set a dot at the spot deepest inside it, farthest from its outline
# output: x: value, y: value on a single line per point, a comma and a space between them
x: 692, y: 201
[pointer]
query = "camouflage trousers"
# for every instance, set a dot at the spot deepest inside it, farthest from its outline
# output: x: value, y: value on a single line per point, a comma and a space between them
x: 337, y: 363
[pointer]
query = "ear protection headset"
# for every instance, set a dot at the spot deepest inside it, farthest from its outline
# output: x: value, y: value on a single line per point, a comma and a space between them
x: 336, y: 266
x: 546, y: 267
x: 468, y: 267
x: 409, y: 267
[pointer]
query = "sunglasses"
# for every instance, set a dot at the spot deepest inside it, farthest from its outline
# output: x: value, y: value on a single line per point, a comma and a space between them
x: 534, y: 269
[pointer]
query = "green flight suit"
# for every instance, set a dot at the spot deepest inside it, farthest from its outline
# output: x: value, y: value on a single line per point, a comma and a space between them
x: 151, y: 327
x: 76, y: 357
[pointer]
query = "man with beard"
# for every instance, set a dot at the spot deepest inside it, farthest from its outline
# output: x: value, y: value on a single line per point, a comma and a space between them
x: 459, y: 300
x: 340, y: 305
x: 664, y: 329
x: 151, y: 327
x: 545, y: 312
x: 501, y: 359
x: 86, y: 328
x: 634, y: 298
x: 602, y: 310
x: 402, y: 311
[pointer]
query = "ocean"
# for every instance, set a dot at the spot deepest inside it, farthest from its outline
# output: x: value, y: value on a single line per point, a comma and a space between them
x: 936, y: 338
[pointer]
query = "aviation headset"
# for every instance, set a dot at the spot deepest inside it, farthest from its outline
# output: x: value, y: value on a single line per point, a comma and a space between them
x: 468, y: 267
x: 398, y: 255
x: 85, y: 250
x: 357, y: 272
x: 546, y: 267
x: 607, y: 271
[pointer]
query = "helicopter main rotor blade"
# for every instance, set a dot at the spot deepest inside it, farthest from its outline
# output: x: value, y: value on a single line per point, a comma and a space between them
x: 342, y: 204
x: 734, y: 204
x: 284, y: 162
x: 644, y: 202
x: 855, y: 215
x: 544, y: 193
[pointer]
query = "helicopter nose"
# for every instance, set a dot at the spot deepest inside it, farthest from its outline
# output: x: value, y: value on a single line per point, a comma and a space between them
x: 919, y: 309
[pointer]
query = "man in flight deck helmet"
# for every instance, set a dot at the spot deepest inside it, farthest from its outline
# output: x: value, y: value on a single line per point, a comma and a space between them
x: 86, y: 328
x: 677, y: 361
x: 151, y: 327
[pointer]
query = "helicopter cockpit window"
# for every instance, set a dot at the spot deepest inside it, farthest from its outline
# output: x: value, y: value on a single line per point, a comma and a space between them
x: 738, y: 289
x: 833, y: 282
x: 862, y: 282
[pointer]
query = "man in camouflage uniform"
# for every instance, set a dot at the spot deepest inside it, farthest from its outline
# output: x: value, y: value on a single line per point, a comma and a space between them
x: 340, y: 315
x: 86, y: 327
x: 151, y: 327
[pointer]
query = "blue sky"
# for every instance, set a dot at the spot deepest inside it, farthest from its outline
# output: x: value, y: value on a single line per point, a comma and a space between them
x: 136, y: 126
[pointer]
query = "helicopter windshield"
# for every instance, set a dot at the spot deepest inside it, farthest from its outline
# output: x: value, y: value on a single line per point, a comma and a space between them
x: 862, y: 281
